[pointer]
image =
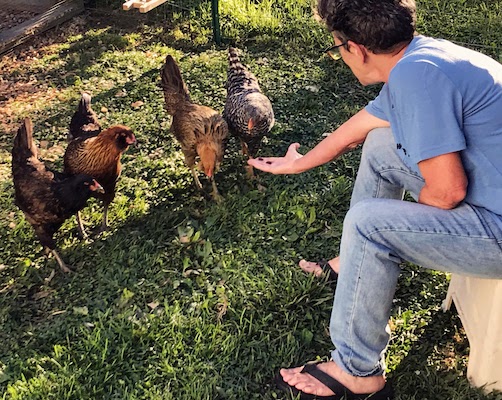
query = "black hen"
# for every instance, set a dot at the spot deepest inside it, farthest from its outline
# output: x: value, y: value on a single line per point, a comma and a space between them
x: 84, y: 121
x: 248, y: 111
x: 46, y: 198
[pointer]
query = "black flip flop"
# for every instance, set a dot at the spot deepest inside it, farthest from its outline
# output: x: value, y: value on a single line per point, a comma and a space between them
x: 327, y: 271
x: 341, y: 392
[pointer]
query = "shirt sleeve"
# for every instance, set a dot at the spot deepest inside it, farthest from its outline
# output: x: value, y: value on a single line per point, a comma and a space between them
x: 378, y: 106
x: 429, y: 109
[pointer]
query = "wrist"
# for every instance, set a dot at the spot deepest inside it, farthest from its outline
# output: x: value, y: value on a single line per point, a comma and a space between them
x: 296, y: 167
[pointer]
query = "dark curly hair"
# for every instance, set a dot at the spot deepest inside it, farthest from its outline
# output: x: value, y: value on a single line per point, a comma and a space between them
x: 380, y: 25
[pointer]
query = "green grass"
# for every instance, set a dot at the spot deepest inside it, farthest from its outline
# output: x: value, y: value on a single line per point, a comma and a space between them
x: 184, y: 298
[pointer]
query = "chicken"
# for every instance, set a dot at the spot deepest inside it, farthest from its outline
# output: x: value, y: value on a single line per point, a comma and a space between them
x: 84, y: 121
x: 46, y: 198
x: 96, y: 153
x: 248, y: 111
x: 201, y: 131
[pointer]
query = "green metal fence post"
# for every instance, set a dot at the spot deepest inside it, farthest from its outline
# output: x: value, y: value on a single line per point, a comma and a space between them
x: 216, y: 21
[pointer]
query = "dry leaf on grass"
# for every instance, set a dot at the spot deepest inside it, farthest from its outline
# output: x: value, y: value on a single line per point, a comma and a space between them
x: 41, y: 295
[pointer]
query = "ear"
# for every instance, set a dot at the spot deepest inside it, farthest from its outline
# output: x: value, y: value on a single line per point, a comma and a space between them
x: 358, y: 50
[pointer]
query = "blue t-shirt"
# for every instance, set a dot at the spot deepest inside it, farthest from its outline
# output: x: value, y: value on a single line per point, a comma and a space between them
x: 442, y: 98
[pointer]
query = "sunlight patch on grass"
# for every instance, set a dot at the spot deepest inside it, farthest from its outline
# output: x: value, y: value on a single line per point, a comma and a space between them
x: 257, y: 15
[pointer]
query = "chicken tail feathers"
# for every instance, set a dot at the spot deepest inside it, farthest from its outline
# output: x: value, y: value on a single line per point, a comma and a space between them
x: 239, y: 77
x: 24, y: 146
x: 84, y: 121
x: 84, y: 107
x: 234, y: 62
x: 174, y: 88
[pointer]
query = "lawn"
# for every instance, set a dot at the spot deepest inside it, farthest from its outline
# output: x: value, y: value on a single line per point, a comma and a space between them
x: 185, y: 298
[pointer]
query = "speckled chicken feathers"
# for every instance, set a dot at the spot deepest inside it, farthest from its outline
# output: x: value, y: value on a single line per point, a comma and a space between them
x: 193, y: 125
x: 175, y: 91
x: 245, y: 102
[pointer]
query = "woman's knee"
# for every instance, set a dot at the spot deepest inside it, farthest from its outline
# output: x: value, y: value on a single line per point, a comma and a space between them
x: 358, y: 216
x: 369, y: 215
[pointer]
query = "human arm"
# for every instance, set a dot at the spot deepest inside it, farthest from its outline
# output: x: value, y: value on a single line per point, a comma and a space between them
x: 347, y: 137
x: 445, y: 181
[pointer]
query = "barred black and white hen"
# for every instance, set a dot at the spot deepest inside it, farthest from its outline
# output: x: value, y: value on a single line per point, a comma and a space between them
x: 248, y: 111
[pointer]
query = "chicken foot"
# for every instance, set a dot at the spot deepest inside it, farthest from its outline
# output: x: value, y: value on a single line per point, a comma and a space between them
x: 195, y: 175
x: 80, y: 226
x: 248, y: 168
x: 104, y: 223
x: 59, y: 259
x: 250, y: 172
x: 215, y: 193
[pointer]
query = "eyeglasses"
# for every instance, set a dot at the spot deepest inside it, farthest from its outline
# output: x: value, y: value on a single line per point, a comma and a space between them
x: 334, y: 51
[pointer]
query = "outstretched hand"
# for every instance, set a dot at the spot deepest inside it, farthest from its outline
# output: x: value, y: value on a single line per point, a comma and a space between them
x: 278, y: 165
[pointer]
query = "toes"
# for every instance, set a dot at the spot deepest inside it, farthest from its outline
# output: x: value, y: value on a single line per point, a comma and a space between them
x: 303, y: 382
x: 310, y: 267
x: 292, y: 376
x: 307, y: 265
x: 288, y: 372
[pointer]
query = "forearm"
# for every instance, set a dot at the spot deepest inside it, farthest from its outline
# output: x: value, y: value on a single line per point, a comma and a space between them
x: 445, y: 181
x: 347, y: 137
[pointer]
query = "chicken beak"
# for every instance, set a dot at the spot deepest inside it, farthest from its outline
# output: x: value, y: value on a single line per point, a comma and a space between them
x: 130, y: 140
x: 96, y: 187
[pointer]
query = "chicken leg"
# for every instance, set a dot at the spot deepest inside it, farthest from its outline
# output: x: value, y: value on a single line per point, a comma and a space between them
x: 59, y: 259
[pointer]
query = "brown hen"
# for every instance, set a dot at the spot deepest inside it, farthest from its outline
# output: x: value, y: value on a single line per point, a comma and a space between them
x: 200, y: 130
x: 47, y: 198
x: 97, y: 154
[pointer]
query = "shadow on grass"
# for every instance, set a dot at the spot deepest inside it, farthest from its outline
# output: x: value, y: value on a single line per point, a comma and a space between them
x: 439, y: 356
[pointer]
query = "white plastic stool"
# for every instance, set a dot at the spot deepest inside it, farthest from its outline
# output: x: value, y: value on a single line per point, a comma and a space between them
x: 479, y: 305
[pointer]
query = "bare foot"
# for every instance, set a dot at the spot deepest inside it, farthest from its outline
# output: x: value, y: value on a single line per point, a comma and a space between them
x: 308, y: 384
x: 314, y: 268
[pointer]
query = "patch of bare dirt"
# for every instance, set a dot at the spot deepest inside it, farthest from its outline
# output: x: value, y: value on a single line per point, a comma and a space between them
x: 16, y: 85
x: 10, y: 18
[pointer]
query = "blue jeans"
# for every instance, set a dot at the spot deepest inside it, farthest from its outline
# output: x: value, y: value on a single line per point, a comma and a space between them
x: 379, y: 232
